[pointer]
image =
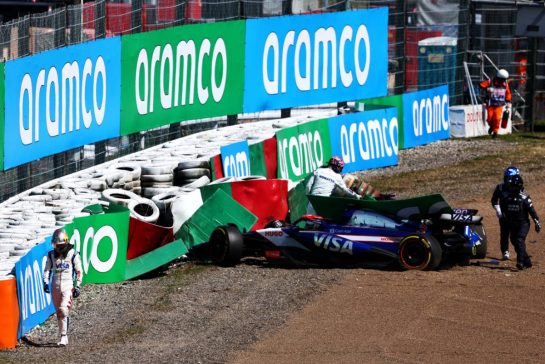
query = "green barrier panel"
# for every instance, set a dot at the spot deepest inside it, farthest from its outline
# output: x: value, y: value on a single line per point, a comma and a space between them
x: 101, y: 240
x: 219, y: 209
x: 298, y: 200
x: 181, y: 73
x: 2, y: 117
x: 412, y: 208
x: 257, y: 160
x: 383, y: 102
x: 302, y: 149
x: 154, y: 259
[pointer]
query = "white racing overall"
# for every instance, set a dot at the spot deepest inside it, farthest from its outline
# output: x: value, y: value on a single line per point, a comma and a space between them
x: 63, y: 269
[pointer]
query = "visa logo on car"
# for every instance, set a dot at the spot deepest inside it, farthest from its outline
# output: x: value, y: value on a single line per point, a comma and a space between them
x: 332, y: 243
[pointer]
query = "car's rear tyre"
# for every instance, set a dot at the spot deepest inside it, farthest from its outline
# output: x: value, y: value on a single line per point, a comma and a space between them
x: 418, y: 252
x: 481, y: 249
x: 226, y: 246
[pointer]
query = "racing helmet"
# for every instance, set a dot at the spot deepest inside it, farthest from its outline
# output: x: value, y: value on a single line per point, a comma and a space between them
x: 336, y: 164
x: 59, y: 238
x: 515, y: 184
x: 510, y: 172
x: 502, y: 74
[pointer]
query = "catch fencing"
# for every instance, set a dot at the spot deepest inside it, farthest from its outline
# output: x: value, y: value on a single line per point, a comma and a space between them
x: 428, y: 43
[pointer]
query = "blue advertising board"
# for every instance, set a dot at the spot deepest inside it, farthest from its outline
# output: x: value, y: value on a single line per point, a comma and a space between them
x: 314, y: 59
x: 35, y: 306
x: 235, y: 159
x: 425, y: 116
x: 61, y: 99
x: 365, y: 140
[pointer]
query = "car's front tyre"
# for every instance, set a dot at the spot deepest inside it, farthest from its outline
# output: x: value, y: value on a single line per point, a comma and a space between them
x: 226, y: 245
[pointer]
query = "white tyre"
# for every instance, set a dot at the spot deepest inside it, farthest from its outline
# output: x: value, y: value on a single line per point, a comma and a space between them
x: 144, y: 210
x: 153, y: 170
x: 156, y: 177
x: 119, y: 196
x: 190, y: 164
x: 203, y: 181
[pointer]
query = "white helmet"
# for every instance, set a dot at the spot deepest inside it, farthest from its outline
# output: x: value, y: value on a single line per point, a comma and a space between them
x: 502, y: 74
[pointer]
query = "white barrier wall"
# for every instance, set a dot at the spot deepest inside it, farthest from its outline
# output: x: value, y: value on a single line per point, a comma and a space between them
x: 468, y: 121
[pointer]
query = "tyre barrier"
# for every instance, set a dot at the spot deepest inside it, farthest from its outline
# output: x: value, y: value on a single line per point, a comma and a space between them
x: 193, y: 164
x: 119, y: 196
x: 144, y: 209
x: 199, y: 182
x: 157, y: 169
x: 188, y: 172
x: 163, y: 201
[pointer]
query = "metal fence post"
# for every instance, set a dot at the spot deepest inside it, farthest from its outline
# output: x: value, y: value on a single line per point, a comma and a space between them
x: 464, y: 19
x: 24, y: 38
x: 401, y: 8
x: 532, y: 81
x: 100, y: 19
x: 285, y: 113
x: 232, y: 119
x: 180, y: 12
x: 136, y: 17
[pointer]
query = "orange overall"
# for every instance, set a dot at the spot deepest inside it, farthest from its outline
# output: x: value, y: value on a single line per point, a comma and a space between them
x: 498, y: 94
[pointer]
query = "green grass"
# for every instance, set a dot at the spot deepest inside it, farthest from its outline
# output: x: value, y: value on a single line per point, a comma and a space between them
x: 175, y: 279
x: 525, y: 150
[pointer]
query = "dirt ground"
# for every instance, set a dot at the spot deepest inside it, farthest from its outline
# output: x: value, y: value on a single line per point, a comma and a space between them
x: 485, y: 312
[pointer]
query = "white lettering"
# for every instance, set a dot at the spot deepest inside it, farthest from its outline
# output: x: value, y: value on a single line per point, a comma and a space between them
x: 318, y: 51
x: 185, y: 69
x: 430, y: 115
x: 373, y: 139
x: 63, y: 99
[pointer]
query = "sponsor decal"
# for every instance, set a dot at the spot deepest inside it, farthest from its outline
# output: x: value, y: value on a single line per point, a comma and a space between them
x: 333, y: 243
x: 274, y: 233
x: 426, y: 116
x: 365, y: 140
x: 302, y: 149
x: 179, y: 70
x: 92, y: 240
x: 304, y: 152
x: 236, y: 159
x: 325, y: 58
x: 35, y: 306
x: 62, y: 99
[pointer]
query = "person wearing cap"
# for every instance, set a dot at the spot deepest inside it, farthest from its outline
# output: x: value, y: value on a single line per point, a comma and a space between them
x: 64, y: 265
x: 513, y: 207
x: 498, y: 97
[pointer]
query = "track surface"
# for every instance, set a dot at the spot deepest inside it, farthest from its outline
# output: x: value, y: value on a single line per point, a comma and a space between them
x: 481, y: 313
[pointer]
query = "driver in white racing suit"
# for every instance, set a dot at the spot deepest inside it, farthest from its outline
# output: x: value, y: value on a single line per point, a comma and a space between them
x: 327, y: 181
x: 65, y: 264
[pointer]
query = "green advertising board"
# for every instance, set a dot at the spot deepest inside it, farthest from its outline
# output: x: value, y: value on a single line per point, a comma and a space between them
x: 181, y: 73
x: 102, y: 240
x: 302, y: 149
x: 2, y: 111
x: 382, y: 102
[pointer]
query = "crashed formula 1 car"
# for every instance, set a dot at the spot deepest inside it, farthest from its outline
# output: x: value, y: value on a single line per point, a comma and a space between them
x: 362, y: 235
